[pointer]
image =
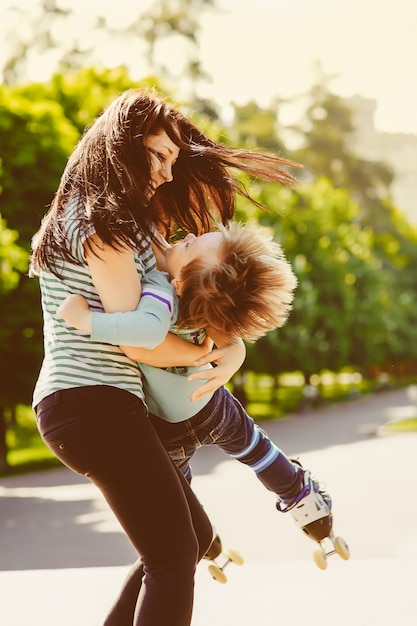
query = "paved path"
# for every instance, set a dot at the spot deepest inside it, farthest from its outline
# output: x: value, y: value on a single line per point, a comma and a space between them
x: 63, y: 556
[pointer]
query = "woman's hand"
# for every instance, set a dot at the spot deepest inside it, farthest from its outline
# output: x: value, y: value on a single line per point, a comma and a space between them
x: 76, y: 313
x: 227, y: 359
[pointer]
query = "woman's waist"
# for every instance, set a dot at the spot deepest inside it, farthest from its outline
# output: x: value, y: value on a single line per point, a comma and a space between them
x: 59, y: 375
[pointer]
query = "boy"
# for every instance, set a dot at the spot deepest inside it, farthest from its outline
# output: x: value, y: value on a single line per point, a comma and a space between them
x: 237, y: 282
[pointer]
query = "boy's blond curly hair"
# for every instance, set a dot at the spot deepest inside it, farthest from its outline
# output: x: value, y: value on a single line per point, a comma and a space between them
x: 248, y: 293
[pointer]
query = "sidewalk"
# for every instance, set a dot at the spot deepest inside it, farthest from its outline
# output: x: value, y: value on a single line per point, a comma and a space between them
x: 358, y: 593
x: 63, y: 556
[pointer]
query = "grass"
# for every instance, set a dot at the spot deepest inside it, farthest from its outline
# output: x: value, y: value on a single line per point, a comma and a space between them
x: 266, y: 400
x: 407, y: 425
x: 271, y: 398
x: 26, y: 450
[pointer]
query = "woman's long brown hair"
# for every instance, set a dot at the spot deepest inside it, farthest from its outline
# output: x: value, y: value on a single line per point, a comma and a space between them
x: 109, y: 170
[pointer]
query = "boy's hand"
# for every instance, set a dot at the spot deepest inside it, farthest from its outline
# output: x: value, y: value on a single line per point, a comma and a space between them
x: 76, y: 313
x: 228, y: 360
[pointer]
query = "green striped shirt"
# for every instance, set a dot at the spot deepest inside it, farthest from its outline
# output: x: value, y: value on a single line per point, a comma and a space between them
x: 71, y: 359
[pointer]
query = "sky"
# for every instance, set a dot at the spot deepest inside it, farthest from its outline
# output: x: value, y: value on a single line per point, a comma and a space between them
x: 261, y: 49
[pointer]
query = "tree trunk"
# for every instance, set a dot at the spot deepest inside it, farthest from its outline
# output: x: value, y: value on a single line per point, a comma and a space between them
x: 3, y: 445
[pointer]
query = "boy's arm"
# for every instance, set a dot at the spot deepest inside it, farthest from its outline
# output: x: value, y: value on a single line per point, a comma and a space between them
x: 146, y: 338
x: 146, y: 327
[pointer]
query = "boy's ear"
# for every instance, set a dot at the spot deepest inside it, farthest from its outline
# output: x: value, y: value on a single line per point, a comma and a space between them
x: 177, y: 284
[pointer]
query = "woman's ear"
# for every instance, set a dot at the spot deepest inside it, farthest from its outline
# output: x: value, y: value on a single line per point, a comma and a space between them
x: 177, y: 284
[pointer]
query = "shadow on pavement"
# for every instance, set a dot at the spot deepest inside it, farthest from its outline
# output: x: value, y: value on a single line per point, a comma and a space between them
x: 57, y: 519
x: 338, y: 424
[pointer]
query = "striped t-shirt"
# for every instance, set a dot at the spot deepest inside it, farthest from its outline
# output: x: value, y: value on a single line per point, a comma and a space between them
x: 71, y: 359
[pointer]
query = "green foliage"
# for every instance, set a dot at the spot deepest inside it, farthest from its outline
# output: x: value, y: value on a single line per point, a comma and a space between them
x: 20, y: 324
x: 325, y: 133
x: 326, y: 136
x: 268, y: 399
x: 83, y: 94
x: 20, y: 331
x: 346, y: 305
x: 256, y: 127
x: 407, y: 425
x: 26, y: 448
x: 36, y: 139
x: 13, y: 259
x: 353, y: 252
x: 39, y: 127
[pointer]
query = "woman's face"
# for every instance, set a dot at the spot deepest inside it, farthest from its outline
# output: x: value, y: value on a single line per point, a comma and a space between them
x: 164, y: 154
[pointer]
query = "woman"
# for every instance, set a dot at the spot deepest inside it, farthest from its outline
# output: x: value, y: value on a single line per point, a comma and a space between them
x: 97, y: 240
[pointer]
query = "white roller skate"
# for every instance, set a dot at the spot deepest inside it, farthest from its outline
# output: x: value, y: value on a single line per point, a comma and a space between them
x: 311, y: 510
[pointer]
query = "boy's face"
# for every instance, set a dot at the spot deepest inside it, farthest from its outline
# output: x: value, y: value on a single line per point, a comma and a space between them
x: 190, y: 248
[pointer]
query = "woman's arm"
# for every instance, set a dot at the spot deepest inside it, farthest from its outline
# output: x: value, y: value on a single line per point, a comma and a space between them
x: 227, y: 357
x: 118, y: 285
x: 173, y: 351
x: 114, y: 275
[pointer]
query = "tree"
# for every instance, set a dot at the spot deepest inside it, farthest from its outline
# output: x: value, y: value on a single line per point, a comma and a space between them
x: 166, y: 25
x: 35, y: 140
x: 83, y: 93
x: 13, y: 327
x: 172, y: 20
x: 344, y: 303
x: 326, y: 151
x: 256, y: 127
x: 39, y: 126
x: 326, y: 132
x: 36, y: 38
x: 397, y: 246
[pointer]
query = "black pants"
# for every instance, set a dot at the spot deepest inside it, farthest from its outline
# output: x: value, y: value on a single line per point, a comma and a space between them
x: 104, y: 434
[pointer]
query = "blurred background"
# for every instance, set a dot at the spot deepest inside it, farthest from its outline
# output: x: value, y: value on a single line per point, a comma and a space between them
x: 331, y: 85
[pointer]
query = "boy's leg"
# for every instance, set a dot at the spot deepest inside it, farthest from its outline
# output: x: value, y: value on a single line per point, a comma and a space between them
x: 296, y: 490
x: 235, y: 432
x: 224, y: 422
x: 178, y: 439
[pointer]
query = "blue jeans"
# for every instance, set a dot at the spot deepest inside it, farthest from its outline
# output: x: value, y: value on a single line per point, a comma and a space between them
x: 223, y: 422
x: 104, y: 433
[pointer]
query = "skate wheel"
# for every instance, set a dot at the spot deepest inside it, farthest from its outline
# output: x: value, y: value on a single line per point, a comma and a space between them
x: 217, y: 574
x: 234, y: 556
x: 341, y: 548
x: 319, y: 559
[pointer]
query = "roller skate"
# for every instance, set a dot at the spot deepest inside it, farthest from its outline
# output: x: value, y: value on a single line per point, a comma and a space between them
x: 311, y: 509
x: 215, y: 550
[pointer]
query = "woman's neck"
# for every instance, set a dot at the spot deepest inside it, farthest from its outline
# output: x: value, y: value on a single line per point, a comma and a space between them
x: 159, y: 246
